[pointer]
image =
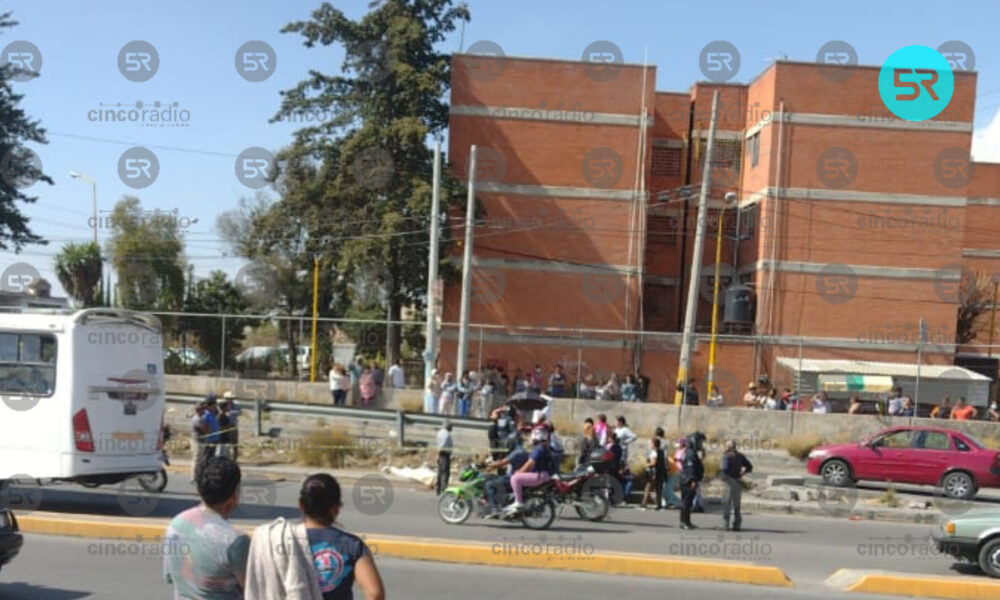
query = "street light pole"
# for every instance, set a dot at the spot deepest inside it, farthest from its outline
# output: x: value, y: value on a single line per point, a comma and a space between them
x: 93, y: 191
x: 470, y: 210
x: 432, y: 266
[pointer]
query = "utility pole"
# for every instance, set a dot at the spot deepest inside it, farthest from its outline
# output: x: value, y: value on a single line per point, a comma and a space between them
x: 470, y: 209
x: 684, y: 364
x: 312, y: 352
x: 432, y: 267
x: 730, y: 197
x: 993, y: 315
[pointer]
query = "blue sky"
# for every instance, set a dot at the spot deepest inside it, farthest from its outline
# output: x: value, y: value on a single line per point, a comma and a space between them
x: 197, y: 43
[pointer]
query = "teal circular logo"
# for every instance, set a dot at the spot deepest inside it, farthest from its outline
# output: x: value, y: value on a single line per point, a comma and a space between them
x: 916, y: 83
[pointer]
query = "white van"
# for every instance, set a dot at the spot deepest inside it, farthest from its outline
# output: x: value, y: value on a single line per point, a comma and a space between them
x: 81, y: 395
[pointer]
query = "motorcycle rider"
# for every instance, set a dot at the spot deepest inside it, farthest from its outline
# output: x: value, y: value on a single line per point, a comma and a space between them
x: 534, y: 472
x: 692, y: 471
x: 497, y: 488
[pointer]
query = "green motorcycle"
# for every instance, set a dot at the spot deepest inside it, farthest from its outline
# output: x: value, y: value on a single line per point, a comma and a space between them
x: 458, y: 502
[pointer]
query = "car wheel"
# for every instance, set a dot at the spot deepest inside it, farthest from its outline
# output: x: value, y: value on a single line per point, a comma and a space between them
x: 959, y: 485
x: 836, y: 473
x: 989, y: 557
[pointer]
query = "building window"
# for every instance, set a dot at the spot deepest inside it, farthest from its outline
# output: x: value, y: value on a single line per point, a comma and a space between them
x: 666, y: 162
x: 753, y: 145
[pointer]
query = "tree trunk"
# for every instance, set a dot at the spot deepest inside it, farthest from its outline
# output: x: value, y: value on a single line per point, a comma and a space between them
x: 393, y: 333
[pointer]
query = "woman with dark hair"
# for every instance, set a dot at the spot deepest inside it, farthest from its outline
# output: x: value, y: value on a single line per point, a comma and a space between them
x: 315, y: 559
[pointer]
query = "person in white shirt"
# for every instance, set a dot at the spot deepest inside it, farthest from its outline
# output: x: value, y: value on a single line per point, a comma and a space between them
x: 771, y: 401
x: 896, y: 402
x: 715, y: 399
x: 444, y: 445
x: 625, y: 437
x: 750, y: 399
x: 340, y: 384
x: 432, y: 391
x: 820, y: 404
x: 397, y: 376
x: 486, y: 393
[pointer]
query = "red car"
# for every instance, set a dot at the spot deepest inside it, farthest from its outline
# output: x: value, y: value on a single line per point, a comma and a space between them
x: 916, y: 455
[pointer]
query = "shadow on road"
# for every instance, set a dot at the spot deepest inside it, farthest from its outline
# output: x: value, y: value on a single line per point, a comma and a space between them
x: 130, y: 503
x: 27, y: 591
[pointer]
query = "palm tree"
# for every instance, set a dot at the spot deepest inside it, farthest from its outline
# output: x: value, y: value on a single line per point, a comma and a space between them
x: 78, y: 267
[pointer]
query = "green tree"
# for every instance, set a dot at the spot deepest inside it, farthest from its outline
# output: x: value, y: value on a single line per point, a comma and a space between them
x: 78, y: 267
x: 146, y: 251
x: 16, y: 166
x: 279, y: 278
x: 215, y: 295
x: 360, y: 182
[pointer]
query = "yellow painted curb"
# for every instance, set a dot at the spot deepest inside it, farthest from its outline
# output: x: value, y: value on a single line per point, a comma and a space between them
x: 547, y: 551
x: 554, y: 552
x: 920, y: 586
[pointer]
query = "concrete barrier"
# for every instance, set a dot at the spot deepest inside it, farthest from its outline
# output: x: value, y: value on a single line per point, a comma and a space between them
x: 914, y: 585
x: 749, y: 425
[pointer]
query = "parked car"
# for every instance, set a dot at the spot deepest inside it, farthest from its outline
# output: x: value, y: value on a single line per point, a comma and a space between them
x: 938, y: 456
x: 974, y: 537
x: 189, y: 357
x: 10, y: 537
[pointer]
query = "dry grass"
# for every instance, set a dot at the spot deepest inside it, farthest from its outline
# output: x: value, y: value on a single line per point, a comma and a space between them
x: 799, y: 446
x: 713, y: 465
x: 325, y: 448
x: 414, y: 405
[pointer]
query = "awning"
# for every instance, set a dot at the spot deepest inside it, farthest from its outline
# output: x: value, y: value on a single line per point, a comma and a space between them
x: 844, y: 382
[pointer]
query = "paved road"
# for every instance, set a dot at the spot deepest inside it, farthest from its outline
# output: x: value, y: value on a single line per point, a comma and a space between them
x: 808, y: 548
x: 53, y: 568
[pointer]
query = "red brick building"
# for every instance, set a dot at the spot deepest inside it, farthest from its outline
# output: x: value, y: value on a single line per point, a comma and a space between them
x: 855, y: 225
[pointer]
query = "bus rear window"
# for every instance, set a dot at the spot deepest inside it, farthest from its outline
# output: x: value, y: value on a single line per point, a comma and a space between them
x: 27, y: 363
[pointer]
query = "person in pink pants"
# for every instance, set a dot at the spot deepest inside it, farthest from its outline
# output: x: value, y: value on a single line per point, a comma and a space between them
x: 536, y: 471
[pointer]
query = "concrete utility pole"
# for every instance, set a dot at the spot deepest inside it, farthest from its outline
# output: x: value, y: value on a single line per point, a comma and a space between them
x: 470, y: 209
x: 684, y: 364
x: 432, y: 267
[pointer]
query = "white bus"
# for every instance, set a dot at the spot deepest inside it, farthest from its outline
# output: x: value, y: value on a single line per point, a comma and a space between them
x: 81, y: 395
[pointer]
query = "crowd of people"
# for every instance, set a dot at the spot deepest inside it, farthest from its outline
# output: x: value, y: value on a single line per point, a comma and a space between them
x: 672, y: 467
x: 366, y: 379
x: 214, y: 430
x: 474, y: 393
x: 895, y: 404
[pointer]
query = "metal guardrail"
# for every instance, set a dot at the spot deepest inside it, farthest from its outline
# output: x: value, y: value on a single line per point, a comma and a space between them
x: 400, y: 417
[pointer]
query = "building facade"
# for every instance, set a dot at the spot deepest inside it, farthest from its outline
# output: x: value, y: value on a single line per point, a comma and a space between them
x: 852, y: 233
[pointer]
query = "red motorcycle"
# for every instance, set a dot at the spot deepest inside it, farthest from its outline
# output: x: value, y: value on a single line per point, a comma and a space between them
x: 583, y: 490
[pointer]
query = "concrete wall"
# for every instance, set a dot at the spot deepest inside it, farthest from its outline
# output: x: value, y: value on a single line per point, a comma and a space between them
x: 751, y: 427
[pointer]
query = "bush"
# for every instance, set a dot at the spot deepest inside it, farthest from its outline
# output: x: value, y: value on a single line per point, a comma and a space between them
x: 800, y: 446
x: 325, y: 448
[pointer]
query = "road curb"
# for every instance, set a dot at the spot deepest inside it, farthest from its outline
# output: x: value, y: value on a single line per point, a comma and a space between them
x: 920, y: 586
x: 881, y: 515
x: 553, y: 552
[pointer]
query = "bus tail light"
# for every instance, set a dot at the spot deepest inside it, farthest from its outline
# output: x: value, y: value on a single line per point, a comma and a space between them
x: 81, y: 432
